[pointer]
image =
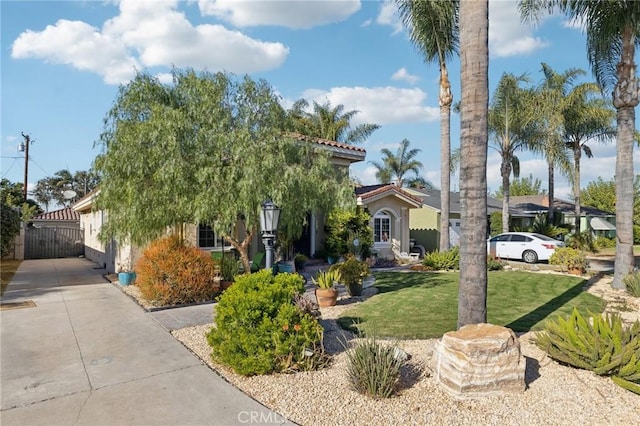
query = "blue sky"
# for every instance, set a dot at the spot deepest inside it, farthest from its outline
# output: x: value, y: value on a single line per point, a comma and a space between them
x: 62, y: 63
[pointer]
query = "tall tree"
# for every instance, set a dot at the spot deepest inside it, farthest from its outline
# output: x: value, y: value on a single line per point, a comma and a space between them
x: 433, y: 29
x: 208, y: 149
x: 512, y: 129
x: 328, y: 122
x: 523, y: 186
x: 613, y: 32
x: 587, y: 117
x: 396, y: 166
x: 474, y: 58
x: 551, y: 99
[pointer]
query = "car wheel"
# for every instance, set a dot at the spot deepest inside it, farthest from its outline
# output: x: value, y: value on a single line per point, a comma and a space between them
x: 530, y: 256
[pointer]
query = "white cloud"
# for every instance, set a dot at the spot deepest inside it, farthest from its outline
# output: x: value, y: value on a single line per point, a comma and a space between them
x: 165, y: 77
x: 380, y: 105
x: 146, y: 34
x: 507, y: 35
x: 388, y: 16
x: 367, y: 23
x: 290, y: 14
x: 77, y: 43
x: 366, y: 175
x: 574, y: 24
x: 403, y: 75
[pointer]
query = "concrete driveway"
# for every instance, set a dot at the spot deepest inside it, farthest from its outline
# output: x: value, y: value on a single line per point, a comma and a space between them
x: 81, y: 352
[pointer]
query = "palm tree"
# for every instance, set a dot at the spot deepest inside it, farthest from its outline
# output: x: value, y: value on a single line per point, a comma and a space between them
x: 433, y: 29
x: 613, y: 31
x: 474, y: 66
x: 328, y: 122
x: 512, y: 129
x: 396, y: 166
x: 586, y: 118
x: 552, y: 95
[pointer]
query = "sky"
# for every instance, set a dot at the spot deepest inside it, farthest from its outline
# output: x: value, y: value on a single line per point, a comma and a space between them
x: 63, y: 63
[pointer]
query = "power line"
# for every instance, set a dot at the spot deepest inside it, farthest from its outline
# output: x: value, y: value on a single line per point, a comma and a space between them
x: 9, y: 169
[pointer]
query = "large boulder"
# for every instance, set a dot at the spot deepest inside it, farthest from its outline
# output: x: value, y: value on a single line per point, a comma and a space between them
x: 479, y: 360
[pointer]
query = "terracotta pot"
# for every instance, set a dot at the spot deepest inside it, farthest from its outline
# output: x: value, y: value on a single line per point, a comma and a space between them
x: 575, y: 271
x: 326, y: 297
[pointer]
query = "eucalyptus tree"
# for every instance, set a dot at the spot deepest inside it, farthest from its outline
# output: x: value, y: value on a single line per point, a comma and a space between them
x: 42, y: 192
x: 328, y: 122
x: 512, y: 128
x: 396, y: 166
x: 474, y: 76
x: 207, y: 149
x: 433, y: 29
x: 613, y: 33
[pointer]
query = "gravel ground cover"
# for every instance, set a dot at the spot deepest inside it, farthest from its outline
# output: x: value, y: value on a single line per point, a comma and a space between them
x: 555, y: 394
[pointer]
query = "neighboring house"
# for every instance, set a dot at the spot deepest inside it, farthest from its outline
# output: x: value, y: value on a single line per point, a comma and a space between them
x: 389, y: 207
x: 53, y: 234
x: 424, y: 223
x: 66, y: 217
x: 600, y: 223
x: 115, y: 256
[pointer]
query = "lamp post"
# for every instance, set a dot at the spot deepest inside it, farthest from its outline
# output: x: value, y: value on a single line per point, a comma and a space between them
x: 269, y: 216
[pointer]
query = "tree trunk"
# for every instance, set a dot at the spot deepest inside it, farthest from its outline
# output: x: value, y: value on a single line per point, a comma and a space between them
x: 552, y: 184
x: 243, y: 249
x: 474, y: 59
x: 446, y: 98
x: 625, y: 99
x: 577, y: 154
x: 505, y: 171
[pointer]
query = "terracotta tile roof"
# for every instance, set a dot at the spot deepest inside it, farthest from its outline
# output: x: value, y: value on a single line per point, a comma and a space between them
x: 67, y: 214
x: 373, y: 190
x: 326, y: 142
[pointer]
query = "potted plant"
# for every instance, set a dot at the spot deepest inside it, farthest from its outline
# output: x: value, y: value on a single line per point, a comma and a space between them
x: 570, y: 260
x: 300, y: 261
x: 326, y: 293
x: 126, y: 275
x: 229, y: 268
x: 353, y: 272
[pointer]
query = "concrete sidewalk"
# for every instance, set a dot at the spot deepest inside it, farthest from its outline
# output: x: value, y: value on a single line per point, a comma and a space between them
x: 87, y: 354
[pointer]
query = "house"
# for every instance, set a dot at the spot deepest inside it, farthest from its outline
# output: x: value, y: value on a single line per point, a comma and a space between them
x: 66, y: 217
x: 424, y: 223
x: 600, y: 223
x: 389, y: 207
x: 114, y: 255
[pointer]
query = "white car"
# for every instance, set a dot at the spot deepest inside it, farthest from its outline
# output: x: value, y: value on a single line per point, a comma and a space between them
x: 526, y: 246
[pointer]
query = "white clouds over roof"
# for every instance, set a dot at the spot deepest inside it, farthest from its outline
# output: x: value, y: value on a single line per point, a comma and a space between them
x: 145, y: 34
x: 291, y: 14
x: 380, y: 105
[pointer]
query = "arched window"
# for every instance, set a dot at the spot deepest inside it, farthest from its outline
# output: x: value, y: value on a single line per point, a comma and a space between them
x: 382, y: 228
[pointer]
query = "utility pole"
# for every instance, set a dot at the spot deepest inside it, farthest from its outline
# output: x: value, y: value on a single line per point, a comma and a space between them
x: 27, y: 141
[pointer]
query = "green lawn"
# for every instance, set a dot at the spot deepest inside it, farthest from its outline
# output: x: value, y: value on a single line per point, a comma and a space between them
x: 425, y: 305
x: 612, y: 251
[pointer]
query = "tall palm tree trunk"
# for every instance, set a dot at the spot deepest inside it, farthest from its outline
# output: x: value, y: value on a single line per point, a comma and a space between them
x: 446, y: 99
x: 625, y: 99
x: 577, y: 154
x: 474, y: 58
x: 505, y: 171
x: 552, y: 184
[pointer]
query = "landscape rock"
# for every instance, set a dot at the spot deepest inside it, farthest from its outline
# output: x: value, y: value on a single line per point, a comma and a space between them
x: 479, y: 360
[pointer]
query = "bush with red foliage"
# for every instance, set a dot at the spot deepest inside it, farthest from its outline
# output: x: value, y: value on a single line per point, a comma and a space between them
x: 171, y: 272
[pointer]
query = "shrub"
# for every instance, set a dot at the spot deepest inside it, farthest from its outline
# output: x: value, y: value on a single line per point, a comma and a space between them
x: 10, y: 224
x: 602, y: 345
x: 342, y: 227
x: 171, y: 272
x: 352, y: 271
x: 443, y: 260
x: 373, y: 369
x: 632, y: 283
x: 569, y: 258
x: 259, y: 330
x: 583, y: 242
x: 229, y: 267
x: 604, y: 242
x: 494, y: 264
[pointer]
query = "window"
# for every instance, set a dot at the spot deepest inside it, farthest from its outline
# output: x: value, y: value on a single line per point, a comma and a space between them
x: 207, y: 238
x: 382, y: 228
